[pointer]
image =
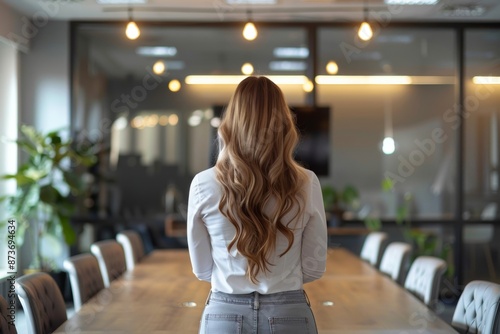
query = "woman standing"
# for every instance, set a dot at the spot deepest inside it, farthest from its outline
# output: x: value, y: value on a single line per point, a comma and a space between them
x: 256, y: 221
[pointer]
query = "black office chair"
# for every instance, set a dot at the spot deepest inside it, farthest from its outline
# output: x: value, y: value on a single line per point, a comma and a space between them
x: 85, y: 277
x: 6, y: 322
x: 42, y: 302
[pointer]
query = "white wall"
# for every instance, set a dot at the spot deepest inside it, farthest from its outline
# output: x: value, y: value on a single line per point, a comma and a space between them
x: 45, y: 89
x: 8, y: 125
x: 45, y: 79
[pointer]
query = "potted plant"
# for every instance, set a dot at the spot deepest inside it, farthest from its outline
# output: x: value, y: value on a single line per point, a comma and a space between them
x: 337, y: 202
x: 47, y: 184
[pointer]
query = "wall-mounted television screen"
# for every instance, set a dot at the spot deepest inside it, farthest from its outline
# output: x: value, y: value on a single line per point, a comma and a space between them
x: 313, y: 150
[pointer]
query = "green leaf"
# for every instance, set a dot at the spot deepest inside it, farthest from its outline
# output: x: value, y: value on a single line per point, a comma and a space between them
x: 350, y: 194
x: 49, y: 194
x: 373, y: 224
x: 74, y: 181
x: 387, y: 184
x: 67, y: 230
x: 27, y: 146
x: 21, y: 178
x: 401, y: 214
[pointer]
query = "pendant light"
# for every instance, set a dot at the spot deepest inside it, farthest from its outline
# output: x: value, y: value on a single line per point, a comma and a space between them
x: 132, y: 32
x: 250, y: 31
x: 365, y: 32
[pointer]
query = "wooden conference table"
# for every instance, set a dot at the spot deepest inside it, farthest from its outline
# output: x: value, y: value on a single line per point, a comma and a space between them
x: 162, y: 296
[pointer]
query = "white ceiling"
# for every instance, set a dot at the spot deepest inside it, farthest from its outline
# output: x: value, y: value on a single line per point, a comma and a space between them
x: 283, y: 10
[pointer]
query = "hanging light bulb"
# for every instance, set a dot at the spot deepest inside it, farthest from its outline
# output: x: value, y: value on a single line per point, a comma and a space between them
x: 308, y: 86
x: 132, y: 32
x: 159, y: 67
x: 332, y: 67
x: 247, y: 69
x: 250, y: 31
x: 388, y: 145
x: 174, y: 85
x: 365, y: 31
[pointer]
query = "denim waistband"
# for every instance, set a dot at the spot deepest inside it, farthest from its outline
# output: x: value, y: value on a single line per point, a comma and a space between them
x: 255, y: 299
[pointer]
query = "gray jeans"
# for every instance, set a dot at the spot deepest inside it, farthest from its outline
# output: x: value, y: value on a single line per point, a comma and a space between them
x: 278, y: 313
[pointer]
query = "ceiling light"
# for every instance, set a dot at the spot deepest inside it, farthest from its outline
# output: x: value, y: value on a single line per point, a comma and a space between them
x: 163, y: 121
x: 173, y: 119
x: 159, y: 67
x: 215, y: 122
x: 251, y: 2
x: 250, y: 32
x: 308, y: 86
x: 363, y: 80
x: 287, y: 65
x: 332, y: 67
x: 486, y: 80
x: 411, y: 2
x: 388, y: 145
x: 156, y: 51
x: 174, y: 85
x: 365, y: 32
x: 132, y: 31
x: 121, y: 2
x: 300, y: 52
x: 236, y: 79
x: 247, y: 69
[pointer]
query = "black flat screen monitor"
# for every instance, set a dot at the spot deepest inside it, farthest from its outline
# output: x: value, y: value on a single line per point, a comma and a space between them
x: 313, y: 149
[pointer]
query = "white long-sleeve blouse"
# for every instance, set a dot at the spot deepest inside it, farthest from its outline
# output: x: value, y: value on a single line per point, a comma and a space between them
x: 209, y: 233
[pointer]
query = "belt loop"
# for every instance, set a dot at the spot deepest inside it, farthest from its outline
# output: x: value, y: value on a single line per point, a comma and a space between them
x: 208, y: 297
x: 307, y: 298
x: 256, y: 300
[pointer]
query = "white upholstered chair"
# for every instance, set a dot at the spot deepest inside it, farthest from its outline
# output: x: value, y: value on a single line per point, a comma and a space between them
x: 111, y: 258
x: 6, y: 318
x: 42, y: 302
x: 478, y: 309
x: 373, y: 247
x: 424, y: 278
x: 395, y: 261
x: 85, y: 277
x: 132, y: 246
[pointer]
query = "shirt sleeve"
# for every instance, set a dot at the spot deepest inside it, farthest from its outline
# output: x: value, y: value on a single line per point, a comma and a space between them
x: 200, y: 250
x: 314, y: 237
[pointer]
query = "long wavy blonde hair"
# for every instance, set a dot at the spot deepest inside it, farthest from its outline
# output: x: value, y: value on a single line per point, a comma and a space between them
x: 256, y: 166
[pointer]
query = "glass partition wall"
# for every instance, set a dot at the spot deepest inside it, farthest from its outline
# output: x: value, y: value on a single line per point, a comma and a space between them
x: 152, y: 107
x: 390, y: 98
x: 481, y: 169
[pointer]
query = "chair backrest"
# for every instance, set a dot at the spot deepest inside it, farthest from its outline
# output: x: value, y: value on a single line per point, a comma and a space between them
x: 478, y: 309
x: 132, y: 246
x: 6, y: 318
x: 42, y: 302
x: 372, y: 247
x: 395, y: 261
x: 111, y: 258
x: 85, y: 277
x: 145, y: 233
x: 424, y: 278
